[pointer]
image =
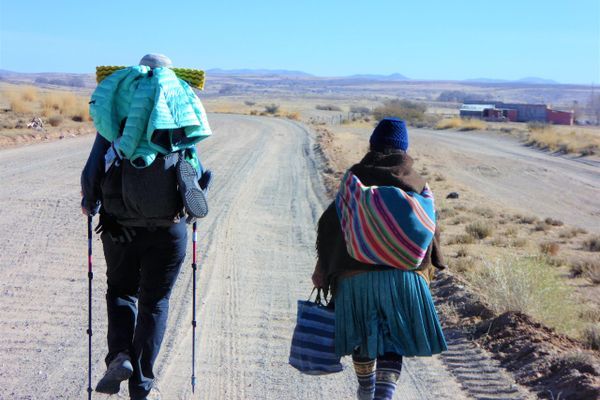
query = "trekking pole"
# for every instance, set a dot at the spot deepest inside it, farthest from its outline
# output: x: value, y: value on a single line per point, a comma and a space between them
x: 194, y: 267
x: 89, y: 330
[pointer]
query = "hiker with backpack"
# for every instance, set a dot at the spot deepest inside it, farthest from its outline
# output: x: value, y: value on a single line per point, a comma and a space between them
x: 145, y: 179
x: 376, y: 244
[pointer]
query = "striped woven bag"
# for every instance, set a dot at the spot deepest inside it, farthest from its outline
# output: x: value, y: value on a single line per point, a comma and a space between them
x: 313, y: 342
x: 385, y: 225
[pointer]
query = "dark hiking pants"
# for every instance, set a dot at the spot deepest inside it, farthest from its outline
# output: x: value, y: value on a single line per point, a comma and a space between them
x: 143, y: 272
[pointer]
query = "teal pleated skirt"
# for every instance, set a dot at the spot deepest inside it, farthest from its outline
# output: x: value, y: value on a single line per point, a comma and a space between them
x: 386, y: 311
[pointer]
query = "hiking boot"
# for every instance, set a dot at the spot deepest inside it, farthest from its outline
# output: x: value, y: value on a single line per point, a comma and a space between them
x: 194, y: 198
x: 119, y: 369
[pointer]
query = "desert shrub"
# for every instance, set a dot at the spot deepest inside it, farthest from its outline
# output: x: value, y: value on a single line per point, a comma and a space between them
x: 470, y: 124
x: 29, y: 93
x: 499, y: 242
x: 589, y: 313
x: 511, y: 231
x: 68, y: 102
x: 541, y: 226
x: 484, y: 212
x: 537, y: 126
x: 249, y: 103
x: 327, y: 107
x: 63, y: 102
x: 588, y: 268
x: 591, y: 337
x: 479, y: 229
x: 80, y: 112
x: 439, y: 177
x: 529, y: 286
x: 461, y: 219
x: 519, y: 242
x: 55, y: 120
x: 449, y: 123
x: 592, y: 244
x: 17, y: 104
x: 462, y: 252
x: 570, y: 233
x: 445, y: 213
x: 407, y: 110
x: 271, y: 108
x: 549, y: 248
x: 526, y: 219
x: 461, y: 239
x: 293, y: 116
x: 461, y: 124
x: 253, y: 112
x: 464, y: 265
x: 360, y: 110
x: 553, y: 222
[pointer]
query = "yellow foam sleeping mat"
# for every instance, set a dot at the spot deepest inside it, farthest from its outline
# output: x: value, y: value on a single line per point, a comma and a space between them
x: 194, y: 77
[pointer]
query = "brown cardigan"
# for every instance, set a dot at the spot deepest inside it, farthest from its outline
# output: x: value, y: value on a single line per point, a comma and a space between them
x: 392, y: 168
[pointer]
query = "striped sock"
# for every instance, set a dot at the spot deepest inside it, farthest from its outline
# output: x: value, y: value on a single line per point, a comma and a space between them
x: 365, y: 373
x: 389, y: 367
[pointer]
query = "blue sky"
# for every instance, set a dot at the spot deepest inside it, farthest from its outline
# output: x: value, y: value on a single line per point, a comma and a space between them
x: 453, y: 40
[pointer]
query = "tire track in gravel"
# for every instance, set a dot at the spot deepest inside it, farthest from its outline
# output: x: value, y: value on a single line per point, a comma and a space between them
x: 256, y: 253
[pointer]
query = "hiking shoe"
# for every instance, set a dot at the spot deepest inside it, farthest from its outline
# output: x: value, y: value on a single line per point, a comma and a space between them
x: 193, y: 196
x: 119, y: 369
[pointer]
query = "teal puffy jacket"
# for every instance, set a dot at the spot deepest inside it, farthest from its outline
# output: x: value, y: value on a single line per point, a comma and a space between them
x: 162, y: 112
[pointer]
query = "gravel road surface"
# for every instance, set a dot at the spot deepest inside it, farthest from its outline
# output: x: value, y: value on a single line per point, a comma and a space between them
x: 256, y: 252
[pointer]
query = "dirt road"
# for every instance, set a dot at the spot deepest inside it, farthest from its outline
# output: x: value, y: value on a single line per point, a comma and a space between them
x: 516, y: 176
x: 256, y: 256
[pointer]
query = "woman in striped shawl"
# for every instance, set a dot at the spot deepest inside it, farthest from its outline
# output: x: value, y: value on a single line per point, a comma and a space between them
x: 376, y: 245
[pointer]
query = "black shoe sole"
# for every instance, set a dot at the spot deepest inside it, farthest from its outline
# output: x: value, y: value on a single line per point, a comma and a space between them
x: 193, y: 197
x: 111, y: 381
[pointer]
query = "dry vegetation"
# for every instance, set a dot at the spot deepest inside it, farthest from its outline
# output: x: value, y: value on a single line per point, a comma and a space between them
x: 519, y: 261
x: 461, y: 124
x: 574, y: 140
x: 61, y: 112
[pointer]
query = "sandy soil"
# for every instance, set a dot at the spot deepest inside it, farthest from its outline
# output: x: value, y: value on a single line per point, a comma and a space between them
x: 256, y: 252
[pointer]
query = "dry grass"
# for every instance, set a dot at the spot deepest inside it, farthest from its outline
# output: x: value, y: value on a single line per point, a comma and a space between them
x: 591, y: 337
x: 80, y: 112
x: 549, y: 248
x: 29, y: 93
x: 592, y: 244
x: 570, y: 233
x: 576, y: 141
x: 588, y: 268
x: 464, y: 265
x: 526, y: 219
x: 462, y: 252
x: 528, y: 285
x: 484, y: 212
x: 293, y: 116
x: 461, y: 239
x: 480, y: 229
x: 461, y: 124
x: 17, y: 104
x: 449, y: 123
x: 55, y: 120
x: 553, y: 222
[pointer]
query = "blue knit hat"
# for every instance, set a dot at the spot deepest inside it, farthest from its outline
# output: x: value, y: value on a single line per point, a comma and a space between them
x: 390, y: 133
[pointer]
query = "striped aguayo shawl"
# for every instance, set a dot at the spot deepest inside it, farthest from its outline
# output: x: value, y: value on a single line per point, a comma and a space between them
x: 385, y: 225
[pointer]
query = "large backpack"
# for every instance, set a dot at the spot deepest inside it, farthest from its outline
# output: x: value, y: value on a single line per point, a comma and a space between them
x: 143, y: 197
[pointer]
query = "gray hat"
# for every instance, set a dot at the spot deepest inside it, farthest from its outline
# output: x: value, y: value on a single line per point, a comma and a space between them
x: 156, y: 61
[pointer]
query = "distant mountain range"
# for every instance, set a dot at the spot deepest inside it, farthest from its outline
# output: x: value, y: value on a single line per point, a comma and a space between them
x: 259, y: 72
x: 532, y: 80
x: 43, y: 77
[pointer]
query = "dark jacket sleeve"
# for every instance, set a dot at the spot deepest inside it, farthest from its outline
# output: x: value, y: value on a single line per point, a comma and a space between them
x: 92, y: 174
